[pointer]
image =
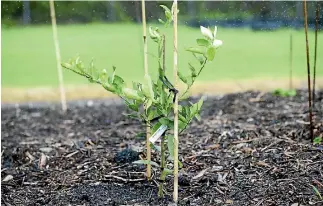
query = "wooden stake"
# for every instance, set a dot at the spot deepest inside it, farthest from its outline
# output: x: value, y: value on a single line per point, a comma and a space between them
x: 291, y: 61
x: 308, y: 71
x: 175, y: 194
x: 144, y: 28
x: 58, y: 56
x: 315, y: 50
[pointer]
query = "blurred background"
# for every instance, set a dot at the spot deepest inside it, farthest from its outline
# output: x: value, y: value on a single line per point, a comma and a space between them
x: 256, y: 53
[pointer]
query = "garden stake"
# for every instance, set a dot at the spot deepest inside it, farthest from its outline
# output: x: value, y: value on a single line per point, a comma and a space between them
x: 146, y: 73
x: 308, y: 71
x: 291, y: 61
x: 58, y: 56
x: 175, y: 194
x: 162, y: 144
x: 315, y: 50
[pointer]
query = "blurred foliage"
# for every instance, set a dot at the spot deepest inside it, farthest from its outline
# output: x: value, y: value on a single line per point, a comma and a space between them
x: 91, y: 11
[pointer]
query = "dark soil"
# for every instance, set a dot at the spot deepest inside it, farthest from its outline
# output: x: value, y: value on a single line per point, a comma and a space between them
x: 248, y: 149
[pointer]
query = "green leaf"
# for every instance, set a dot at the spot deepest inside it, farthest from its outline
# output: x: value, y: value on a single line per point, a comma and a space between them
x: 170, y: 145
x: 165, y: 8
x: 163, y: 121
x: 203, y: 42
x: 111, y: 78
x: 104, y: 75
x: 182, y: 77
x: 210, y: 53
x: 181, y: 117
x: 141, y: 135
x: 195, y: 50
x: 67, y: 65
x: 198, y: 117
x: 165, y: 172
x: 161, y: 21
x: 317, y: 140
x: 291, y: 93
x: 181, y: 125
x: 148, y: 104
x: 156, y: 147
x: 134, y: 116
x: 199, y: 58
x: 134, y: 107
x: 200, y: 103
x: 180, y: 164
x: 151, y: 113
x: 317, y: 192
x: 110, y: 88
x: 149, y: 86
x: 132, y: 94
x: 193, y: 70
x: 146, y: 162
x: 168, y: 13
x: 118, y: 80
x: 155, y: 127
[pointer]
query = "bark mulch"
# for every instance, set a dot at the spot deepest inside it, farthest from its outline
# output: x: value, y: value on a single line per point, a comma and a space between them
x: 249, y: 149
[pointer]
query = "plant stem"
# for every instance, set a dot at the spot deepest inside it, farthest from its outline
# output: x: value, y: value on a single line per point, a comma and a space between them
x: 291, y: 61
x: 162, y: 144
x: 175, y: 194
x: 315, y: 49
x: 198, y: 74
x: 308, y: 71
x: 162, y: 166
x: 58, y: 56
x: 144, y: 28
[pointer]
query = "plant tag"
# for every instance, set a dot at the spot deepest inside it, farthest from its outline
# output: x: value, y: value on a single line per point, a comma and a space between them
x: 158, y: 133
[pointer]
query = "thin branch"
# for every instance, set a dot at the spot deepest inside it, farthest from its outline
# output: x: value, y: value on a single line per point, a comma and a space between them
x: 308, y: 71
x: 291, y: 61
x: 189, y: 87
x: 315, y: 49
x: 58, y: 56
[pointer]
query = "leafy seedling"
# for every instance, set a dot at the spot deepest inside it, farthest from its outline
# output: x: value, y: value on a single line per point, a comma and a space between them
x: 152, y: 101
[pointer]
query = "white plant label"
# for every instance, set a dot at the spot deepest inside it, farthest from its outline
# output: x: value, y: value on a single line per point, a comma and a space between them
x: 158, y: 133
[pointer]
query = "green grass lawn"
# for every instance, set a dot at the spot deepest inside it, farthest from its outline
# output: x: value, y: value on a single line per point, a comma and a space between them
x: 28, y: 54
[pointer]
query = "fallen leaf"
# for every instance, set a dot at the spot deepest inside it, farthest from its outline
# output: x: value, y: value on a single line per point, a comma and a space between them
x: 7, y: 178
x: 229, y: 202
x: 200, y: 174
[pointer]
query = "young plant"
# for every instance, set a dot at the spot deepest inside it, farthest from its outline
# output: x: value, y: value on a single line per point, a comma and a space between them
x: 285, y: 93
x: 152, y: 102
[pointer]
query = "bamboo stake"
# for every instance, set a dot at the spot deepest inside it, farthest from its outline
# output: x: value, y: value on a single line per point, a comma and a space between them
x: 162, y: 144
x: 315, y: 49
x: 308, y: 71
x: 175, y: 194
x: 144, y: 28
x: 58, y: 56
x: 291, y: 61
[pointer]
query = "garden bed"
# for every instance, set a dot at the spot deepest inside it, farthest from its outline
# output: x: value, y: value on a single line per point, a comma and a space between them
x: 249, y: 149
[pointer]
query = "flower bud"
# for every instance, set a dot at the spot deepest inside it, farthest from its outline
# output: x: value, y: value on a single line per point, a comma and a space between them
x: 206, y: 32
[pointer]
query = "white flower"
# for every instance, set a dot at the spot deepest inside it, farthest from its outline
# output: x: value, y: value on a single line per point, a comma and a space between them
x: 206, y: 32
x: 215, y: 30
x: 217, y: 43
